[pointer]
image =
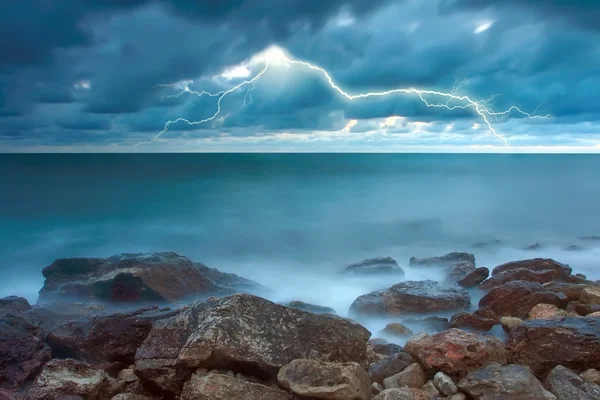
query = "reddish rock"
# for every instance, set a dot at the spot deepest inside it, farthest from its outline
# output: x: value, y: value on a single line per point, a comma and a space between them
x: 586, y: 309
x: 474, y: 277
x: 516, y: 298
x: 520, y: 274
x: 535, y: 264
x: 472, y: 321
x: 455, y: 352
x: 547, y: 311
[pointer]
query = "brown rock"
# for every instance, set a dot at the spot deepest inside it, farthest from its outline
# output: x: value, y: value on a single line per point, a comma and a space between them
x: 516, y: 298
x: 472, y: 321
x: 535, y: 264
x: 520, y: 274
x: 590, y: 295
x: 547, y: 311
x: 411, y: 297
x: 455, y: 352
x: 571, y: 290
x: 591, y: 375
x: 573, y: 342
x: 326, y: 380
x: 223, y: 387
x: 300, y: 305
x: 413, y: 376
x: 509, y: 323
x: 396, y: 329
x: 403, y: 394
x: 389, y: 366
x: 459, y: 270
x: 474, y: 277
x: 586, y: 309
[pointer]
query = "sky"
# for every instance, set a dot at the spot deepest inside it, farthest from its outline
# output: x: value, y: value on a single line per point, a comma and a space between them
x: 108, y: 75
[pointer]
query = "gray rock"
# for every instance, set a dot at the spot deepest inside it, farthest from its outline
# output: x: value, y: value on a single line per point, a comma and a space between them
x: 591, y: 375
x: 389, y: 366
x: 474, y: 277
x: 222, y: 387
x: 413, y: 376
x: 566, y: 385
x: 443, y: 261
x: 376, y: 388
x: 378, y: 265
x: 444, y: 384
x: 430, y: 389
x: 402, y: 394
x: 300, y: 305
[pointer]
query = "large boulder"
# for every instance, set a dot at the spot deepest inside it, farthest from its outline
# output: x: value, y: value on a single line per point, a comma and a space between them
x: 495, y: 382
x: 520, y: 274
x: 326, y: 380
x: 137, y: 278
x: 447, y: 260
x: 590, y: 295
x: 517, y: 298
x: 535, y: 264
x: 567, y: 385
x: 548, y: 311
x: 455, y: 352
x: 243, y: 333
x: 411, y: 297
x: 378, y: 265
x: 474, y: 277
x: 573, y: 342
x: 222, y: 387
x: 389, y: 366
x: 71, y: 378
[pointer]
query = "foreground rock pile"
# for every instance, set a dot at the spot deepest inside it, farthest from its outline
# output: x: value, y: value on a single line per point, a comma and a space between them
x: 73, y: 345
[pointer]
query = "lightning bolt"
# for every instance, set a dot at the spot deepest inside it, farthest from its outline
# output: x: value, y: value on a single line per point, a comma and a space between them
x: 275, y: 56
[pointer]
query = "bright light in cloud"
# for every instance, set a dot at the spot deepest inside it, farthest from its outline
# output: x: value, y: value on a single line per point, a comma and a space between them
x: 345, y: 19
x: 475, y: 126
x: 483, y: 26
x: 82, y: 85
x: 349, y: 125
x: 391, y: 121
x: 240, y: 71
x: 448, y: 127
x: 273, y: 55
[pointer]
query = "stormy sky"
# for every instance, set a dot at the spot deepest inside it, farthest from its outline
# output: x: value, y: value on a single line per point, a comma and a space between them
x: 93, y: 75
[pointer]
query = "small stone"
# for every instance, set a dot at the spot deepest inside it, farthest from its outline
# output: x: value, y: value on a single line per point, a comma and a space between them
x: 458, y: 396
x: 230, y: 373
x: 590, y: 295
x: 508, y: 323
x: 389, y: 366
x: 413, y: 376
x: 430, y: 388
x: 127, y: 375
x: 376, y: 388
x: 444, y: 384
x: 591, y: 375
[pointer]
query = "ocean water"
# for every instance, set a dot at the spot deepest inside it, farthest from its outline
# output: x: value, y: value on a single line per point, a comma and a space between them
x: 291, y: 221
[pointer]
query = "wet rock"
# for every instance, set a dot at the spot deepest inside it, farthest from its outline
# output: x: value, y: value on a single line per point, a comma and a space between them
x: 516, y: 298
x: 390, y: 366
x: 444, y: 384
x: 472, y: 321
x: 495, y: 382
x: 13, y: 305
x: 222, y: 387
x: 520, y: 274
x: 547, y: 311
x: 459, y: 270
x: 591, y: 375
x: 571, y: 290
x: 573, y: 342
x: 447, y: 260
x: 70, y: 377
x: 379, y: 265
x: 535, y: 264
x: 413, y: 376
x: 411, y: 297
x: 474, y: 277
x: 455, y: 352
x: 326, y: 380
x: 247, y: 334
x: 404, y: 393
x: 300, y: 305
x: 396, y: 329
x: 590, y: 295
x: 137, y: 278
x: 509, y: 323
x: 566, y: 385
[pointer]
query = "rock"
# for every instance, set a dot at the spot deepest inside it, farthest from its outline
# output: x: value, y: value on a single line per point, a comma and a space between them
x: 591, y: 375
x: 376, y: 388
x: 431, y: 390
x: 458, y: 396
x: 590, y: 295
x: 520, y: 274
x: 13, y: 305
x: 22, y: 350
x: 396, y: 329
x: 472, y: 321
x: 413, y: 376
x: 459, y: 270
x: 128, y: 376
x: 112, y: 338
x: 70, y: 377
x: 474, y: 277
x: 431, y: 324
x: 594, y: 314
x: 447, y: 260
x: 380, y: 346
x: 566, y: 385
x: 535, y: 264
x: 509, y: 323
x: 137, y: 278
x: 516, y: 298
x: 547, y: 311
x: 586, y: 309
x: 223, y: 387
x: 495, y: 382
x: 390, y: 366
x: 455, y: 352
x: 535, y: 246
x: 571, y: 290
x: 385, y: 265
x: 573, y: 342
x: 299, y: 305
x: 243, y: 332
x: 402, y: 394
x: 485, y: 244
x: 574, y: 247
x: 444, y: 384
x: 411, y: 297
x: 325, y: 380
x: 132, y: 396
x: 6, y: 395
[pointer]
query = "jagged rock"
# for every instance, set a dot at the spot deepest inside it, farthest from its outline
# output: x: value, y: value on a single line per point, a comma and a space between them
x: 223, y: 387
x: 571, y: 290
x: 495, y: 382
x: 591, y: 375
x: 573, y: 342
x: 389, y: 366
x: 326, y: 380
x: 109, y: 338
x: 431, y: 390
x: 381, y: 346
x: 413, y: 376
x: 520, y: 274
x: 300, y: 305
x: 474, y: 277
x: 516, y: 298
x: 509, y: 323
x: 547, y: 311
x: 472, y: 321
x: 535, y: 264
x: 590, y: 295
x: 404, y: 393
x: 137, y: 278
x: 455, y: 352
x: 447, y: 260
x: 444, y: 384
x: 70, y: 377
x: 244, y: 333
x: 459, y: 270
x: 396, y: 329
x: 566, y: 385
x: 411, y: 297
x: 385, y: 265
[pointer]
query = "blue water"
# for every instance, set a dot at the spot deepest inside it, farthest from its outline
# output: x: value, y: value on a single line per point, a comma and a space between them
x: 291, y: 220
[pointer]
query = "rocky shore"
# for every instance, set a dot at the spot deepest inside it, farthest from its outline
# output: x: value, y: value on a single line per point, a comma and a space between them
x: 160, y: 326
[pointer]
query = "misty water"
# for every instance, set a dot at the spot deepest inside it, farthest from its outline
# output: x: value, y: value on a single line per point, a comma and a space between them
x: 292, y: 221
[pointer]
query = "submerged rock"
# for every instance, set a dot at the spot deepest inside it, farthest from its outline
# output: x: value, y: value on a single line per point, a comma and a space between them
x: 396, y: 329
x: 459, y: 270
x: 447, y: 260
x: 411, y: 297
x: 222, y: 387
x: 137, y: 278
x: 379, y: 265
x: 486, y: 244
x: 566, y: 385
x: 474, y: 277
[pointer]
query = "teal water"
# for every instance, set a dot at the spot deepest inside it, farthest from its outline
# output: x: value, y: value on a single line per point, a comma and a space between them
x: 281, y: 217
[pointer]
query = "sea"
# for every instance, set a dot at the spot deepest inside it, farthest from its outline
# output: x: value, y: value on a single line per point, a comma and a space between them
x: 292, y: 221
